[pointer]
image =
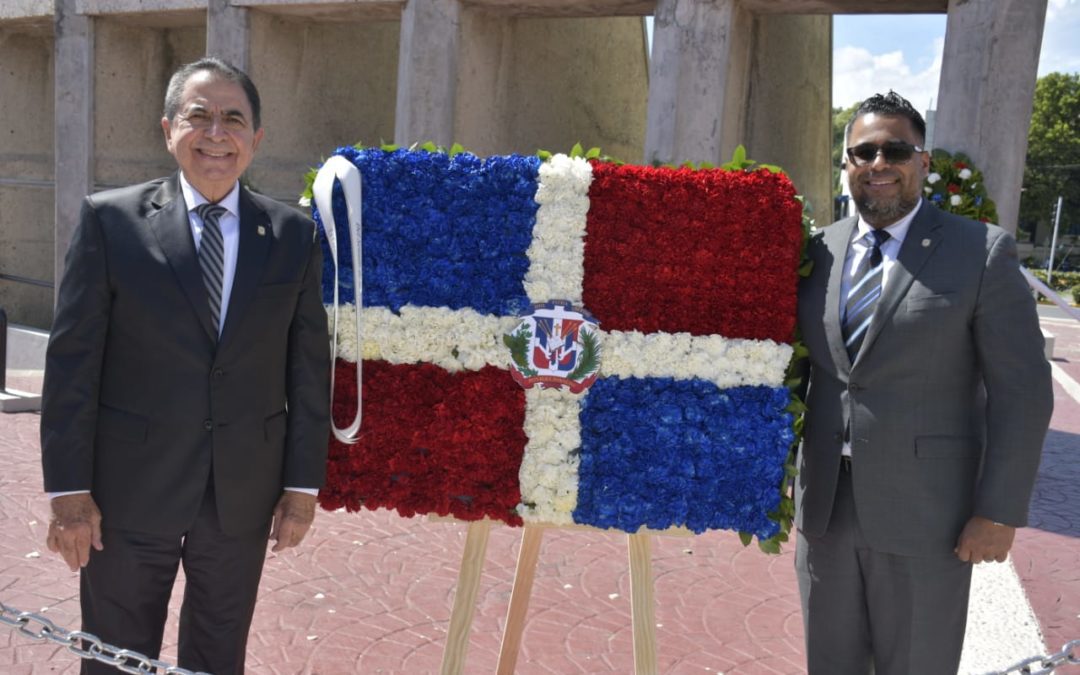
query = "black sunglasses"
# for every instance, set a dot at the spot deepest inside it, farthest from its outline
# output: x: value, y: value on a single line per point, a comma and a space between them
x: 894, y: 152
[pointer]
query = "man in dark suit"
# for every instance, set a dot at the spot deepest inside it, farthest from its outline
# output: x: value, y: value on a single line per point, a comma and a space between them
x: 186, y: 386
x: 928, y: 401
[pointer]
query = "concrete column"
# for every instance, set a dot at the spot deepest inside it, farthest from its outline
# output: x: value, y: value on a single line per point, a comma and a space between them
x: 74, y: 125
x: 987, y: 88
x: 788, y: 118
x: 227, y: 34
x: 427, y: 71
x: 697, y: 80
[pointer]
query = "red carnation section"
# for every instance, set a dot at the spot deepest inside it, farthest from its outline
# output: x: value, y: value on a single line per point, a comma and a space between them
x: 698, y: 251
x: 430, y: 442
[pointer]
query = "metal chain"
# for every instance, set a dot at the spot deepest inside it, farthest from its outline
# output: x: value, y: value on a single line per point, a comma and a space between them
x: 124, y: 660
x: 1069, y: 654
x: 128, y: 661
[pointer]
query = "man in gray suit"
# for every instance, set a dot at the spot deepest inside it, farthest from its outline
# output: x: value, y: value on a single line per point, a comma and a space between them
x: 186, y: 405
x: 928, y: 400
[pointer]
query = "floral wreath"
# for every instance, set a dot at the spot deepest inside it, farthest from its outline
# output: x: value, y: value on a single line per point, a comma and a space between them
x: 956, y: 186
x: 692, y: 273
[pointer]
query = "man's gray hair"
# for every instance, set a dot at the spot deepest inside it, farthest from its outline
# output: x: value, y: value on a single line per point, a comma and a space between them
x: 175, y: 91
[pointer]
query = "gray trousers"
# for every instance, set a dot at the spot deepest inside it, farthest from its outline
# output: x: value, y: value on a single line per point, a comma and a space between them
x: 870, y: 612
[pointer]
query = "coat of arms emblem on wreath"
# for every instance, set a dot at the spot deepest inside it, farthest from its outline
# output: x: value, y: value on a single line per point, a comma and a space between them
x: 556, y: 345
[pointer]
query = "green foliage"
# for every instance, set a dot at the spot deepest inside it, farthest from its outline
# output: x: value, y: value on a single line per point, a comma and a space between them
x: 956, y: 186
x: 785, y: 512
x: 739, y: 162
x: 840, y: 119
x: 1053, y: 157
x: 1062, y: 283
x: 579, y: 151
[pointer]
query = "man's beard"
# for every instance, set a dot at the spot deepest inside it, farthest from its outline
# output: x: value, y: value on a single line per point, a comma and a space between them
x: 884, y: 211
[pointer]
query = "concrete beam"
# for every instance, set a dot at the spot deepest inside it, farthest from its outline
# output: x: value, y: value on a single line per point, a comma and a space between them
x: 697, y: 81
x: 74, y: 125
x: 427, y: 71
x: 987, y: 88
x: 329, y: 10
x: 583, y: 8
x: 103, y: 7
x: 847, y: 6
x: 228, y: 35
x: 26, y: 9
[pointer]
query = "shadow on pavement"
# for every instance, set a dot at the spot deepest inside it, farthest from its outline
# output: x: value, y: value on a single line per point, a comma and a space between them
x: 1057, y: 488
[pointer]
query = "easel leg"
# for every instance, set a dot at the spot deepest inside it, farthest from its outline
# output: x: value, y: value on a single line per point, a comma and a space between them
x: 641, y: 604
x: 519, y: 598
x: 472, y: 564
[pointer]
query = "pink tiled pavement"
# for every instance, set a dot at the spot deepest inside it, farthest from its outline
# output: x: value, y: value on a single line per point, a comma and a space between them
x: 372, y: 592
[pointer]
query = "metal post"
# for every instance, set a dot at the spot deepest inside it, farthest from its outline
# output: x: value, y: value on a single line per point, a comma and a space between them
x: 1053, y: 244
x: 13, y: 400
x: 3, y: 350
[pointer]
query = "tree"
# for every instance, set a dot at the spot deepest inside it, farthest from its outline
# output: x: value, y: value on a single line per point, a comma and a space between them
x: 1053, y: 157
x: 840, y: 117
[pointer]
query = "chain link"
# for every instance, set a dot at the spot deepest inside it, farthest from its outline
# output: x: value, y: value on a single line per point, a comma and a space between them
x: 1044, y: 665
x: 85, y: 645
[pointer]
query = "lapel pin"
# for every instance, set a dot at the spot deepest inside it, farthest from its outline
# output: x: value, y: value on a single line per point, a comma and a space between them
x: 925, y: 243
x: 262, y: 233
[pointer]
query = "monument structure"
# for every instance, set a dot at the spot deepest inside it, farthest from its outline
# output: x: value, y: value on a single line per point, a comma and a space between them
x: 82, y: 80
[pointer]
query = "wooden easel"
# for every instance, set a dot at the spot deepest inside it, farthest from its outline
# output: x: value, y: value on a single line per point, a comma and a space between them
x: 472, y: 561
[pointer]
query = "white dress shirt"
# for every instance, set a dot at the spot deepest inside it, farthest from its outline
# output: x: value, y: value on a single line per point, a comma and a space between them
x: 859, y: 249
x: 230, y: 235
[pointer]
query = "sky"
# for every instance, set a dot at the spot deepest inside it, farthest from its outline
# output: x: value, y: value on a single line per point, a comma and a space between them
x: 875, y: 53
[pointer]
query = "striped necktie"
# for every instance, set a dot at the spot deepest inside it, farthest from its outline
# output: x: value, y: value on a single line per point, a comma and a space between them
x: 863, y: 297
x: 212, y: 256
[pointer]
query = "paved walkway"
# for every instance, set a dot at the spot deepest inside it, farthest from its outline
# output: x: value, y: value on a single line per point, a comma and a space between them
x: 372, y: 592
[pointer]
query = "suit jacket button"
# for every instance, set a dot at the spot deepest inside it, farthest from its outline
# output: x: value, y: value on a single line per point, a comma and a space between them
x: 208, y: 425
x: 218, y: 372
x: 838, y: 436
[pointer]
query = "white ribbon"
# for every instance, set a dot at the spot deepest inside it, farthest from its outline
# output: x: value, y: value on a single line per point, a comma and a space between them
x: 343, y: 170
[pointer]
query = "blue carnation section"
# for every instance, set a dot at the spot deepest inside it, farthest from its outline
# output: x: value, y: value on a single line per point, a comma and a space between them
x: 438, y: 231
x: 661, y: 452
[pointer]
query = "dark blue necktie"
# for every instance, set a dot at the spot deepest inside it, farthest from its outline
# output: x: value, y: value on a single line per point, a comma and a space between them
x: 864, y: 294
x: 212, y: 256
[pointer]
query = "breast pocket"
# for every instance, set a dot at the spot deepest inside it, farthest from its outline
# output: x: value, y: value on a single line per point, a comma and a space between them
x: 927, y: 303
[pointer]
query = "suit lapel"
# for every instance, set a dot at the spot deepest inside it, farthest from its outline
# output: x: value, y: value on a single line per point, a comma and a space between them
x: 922, y: 238
x: 255, y: 235
x: 839, y: 241
x: 170, y: 224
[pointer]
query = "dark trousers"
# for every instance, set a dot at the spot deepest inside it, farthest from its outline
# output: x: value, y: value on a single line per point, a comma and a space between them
x: 865, y: 611
x: 125, y: 589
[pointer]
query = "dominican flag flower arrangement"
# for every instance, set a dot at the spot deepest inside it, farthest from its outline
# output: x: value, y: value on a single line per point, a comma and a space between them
x: 685, y: 283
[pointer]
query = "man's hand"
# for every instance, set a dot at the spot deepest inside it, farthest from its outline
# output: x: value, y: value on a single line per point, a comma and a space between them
x: 75, y: 527
x: 984, y: 540
x: 292, y: 519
